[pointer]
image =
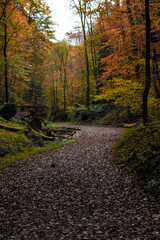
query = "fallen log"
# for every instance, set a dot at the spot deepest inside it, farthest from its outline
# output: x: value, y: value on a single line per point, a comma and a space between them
x: 13, y: 129
x: 42, y: 135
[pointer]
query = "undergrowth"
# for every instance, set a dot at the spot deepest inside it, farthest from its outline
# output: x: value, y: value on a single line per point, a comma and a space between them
x: 103, y: 113
x: 11, y: 123
x: 19, y: 145
x: 139, y: 149
x: 12, y: 142
x: 9, y: 158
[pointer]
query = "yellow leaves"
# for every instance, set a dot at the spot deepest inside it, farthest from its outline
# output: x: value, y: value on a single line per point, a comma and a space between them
x: 124, y: 93
x: 129, y: 94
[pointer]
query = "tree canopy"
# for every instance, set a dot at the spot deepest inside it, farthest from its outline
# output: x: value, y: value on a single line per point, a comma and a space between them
x: 114, y: 55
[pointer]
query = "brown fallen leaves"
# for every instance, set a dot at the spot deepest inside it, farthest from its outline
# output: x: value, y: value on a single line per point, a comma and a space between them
x: 75, y: 192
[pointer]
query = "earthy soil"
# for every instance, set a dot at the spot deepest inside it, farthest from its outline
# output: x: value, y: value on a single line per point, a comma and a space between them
x: 74, y: 193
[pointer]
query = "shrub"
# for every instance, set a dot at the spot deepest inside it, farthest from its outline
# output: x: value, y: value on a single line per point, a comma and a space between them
x: 18, y: 121
x: 4, y: 149
x: 77, y: 112
x: 37, y: 140
x: 139, y: 148
x: 8, y: 111
x: 153, y: 187
x: 124, y: 92
x: 98, y: 110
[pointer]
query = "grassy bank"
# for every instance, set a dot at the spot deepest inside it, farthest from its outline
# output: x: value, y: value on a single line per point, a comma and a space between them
x: 27, y: 152
x: 138, y: 150
x: 104, y: 113
x: 16, y: 143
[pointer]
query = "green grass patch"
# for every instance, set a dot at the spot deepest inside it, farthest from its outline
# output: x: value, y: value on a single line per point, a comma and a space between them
x: 139, y: 149
x: 10, y: 158
x: 52, y: 125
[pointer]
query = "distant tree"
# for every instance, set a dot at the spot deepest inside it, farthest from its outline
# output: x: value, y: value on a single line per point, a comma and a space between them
x: 22, y: 23
x: 61, y: 56
x: 81, y: 8
x: 34, y: 92
x: 5, y: 50
x: 4, y: 12
x: 147, y: 64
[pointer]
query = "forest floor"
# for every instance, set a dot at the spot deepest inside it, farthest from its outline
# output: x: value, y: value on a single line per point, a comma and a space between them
x: 76, y: 192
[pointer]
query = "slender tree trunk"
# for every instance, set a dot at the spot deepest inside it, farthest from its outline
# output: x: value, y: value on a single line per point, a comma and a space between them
x: 88, y: 87
x: 35, y: 78
x: 135, y: 50
x: 155, y: 73
x: 87, y: 67
x: 5, y: 57
x: 148, y: 74
x: 81, y: 7
x: 93, y: 54
x: 56, y: 97
x: 53, y: 89
x: 64, y: 88
x: 155, y: 61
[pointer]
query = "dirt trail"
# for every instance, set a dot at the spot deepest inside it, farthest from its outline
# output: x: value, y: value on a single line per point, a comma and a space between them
x: 74, y: 193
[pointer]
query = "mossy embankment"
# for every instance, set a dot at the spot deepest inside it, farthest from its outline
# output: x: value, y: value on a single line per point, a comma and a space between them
x: 18, y: 141
x: 138, y: 150
x: 101, y: 113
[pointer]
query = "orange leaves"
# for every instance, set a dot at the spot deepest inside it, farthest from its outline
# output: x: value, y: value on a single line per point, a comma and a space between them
x: 122, y: 28
x: 28, y: 31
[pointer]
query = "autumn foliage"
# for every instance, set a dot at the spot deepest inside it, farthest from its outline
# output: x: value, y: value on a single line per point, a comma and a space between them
x: 103, y: 60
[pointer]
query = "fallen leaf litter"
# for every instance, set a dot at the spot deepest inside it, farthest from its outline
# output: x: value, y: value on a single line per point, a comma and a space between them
x: 75, y: 193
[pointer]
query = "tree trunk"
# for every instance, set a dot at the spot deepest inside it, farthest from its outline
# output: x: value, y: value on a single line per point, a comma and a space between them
x: 64, y: 89
x: 53, y: 89
x: 5, y: 57
x: 56, y: 97
x: 135, y: 49
x: 87, y: 67
x: 148, y: 74
x: 155, y: 73
x: 93, y: 54
x: 155, y: 61
x: 81, y: 8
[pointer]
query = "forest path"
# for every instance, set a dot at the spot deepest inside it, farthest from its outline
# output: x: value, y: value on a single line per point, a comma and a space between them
x: 74, y: 193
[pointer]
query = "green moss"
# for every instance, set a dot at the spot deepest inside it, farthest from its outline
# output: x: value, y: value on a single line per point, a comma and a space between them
x: 16, y: 145
x: 13, y: 129
x: 42, y: 135
x: 12, y: 142
x: 139, y: 149
x: 10, y: 158
x: 8, y: 124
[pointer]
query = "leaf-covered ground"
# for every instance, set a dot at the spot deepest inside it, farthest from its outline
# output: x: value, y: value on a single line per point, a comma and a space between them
x: 75, y: 192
